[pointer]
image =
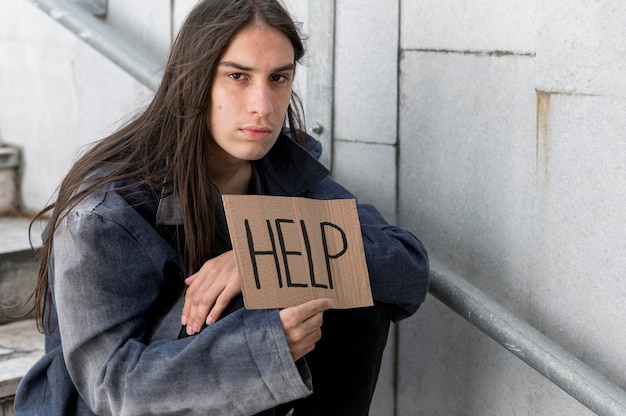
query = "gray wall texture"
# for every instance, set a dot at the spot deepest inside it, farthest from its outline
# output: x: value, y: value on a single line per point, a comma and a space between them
x: 494, y: 130
x: 512, y: 170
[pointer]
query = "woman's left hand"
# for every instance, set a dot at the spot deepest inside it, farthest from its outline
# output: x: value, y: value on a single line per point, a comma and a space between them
x: 210, y: 290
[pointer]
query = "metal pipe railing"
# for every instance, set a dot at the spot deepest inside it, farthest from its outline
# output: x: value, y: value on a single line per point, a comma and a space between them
x: 96, y: 34
x: 527, y: 343
x: 538, y: 351
x: 96, y: 7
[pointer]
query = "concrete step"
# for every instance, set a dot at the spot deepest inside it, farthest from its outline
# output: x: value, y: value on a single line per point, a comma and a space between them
x: 21, y: 345
x: 18, y: 266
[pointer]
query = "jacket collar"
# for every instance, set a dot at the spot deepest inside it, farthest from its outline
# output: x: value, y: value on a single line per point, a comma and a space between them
x: 287, y: 170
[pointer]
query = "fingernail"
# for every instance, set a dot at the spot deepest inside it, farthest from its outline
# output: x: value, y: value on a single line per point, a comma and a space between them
x: 196, y: 328
x: 183, y: 320
x: 210, y: 320
x: 189, y: 330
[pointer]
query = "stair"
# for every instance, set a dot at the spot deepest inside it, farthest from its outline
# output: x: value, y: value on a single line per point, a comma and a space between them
x: 21, y: 344
x: 18, y: 268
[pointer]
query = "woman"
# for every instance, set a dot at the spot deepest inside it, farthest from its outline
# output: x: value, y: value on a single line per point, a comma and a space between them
x: 141, y: 211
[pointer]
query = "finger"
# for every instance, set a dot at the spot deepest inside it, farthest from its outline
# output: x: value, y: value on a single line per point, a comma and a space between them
x: 302, y: 325
x: 301, y: 338
x: 219, y: 290
x: 201, y: 304
x: 204, y: 289
x: 307, y: 344
x: 188, y: 294
x: 307, y: 328
x: 306, y: 310
x: 193, y: 305
x: 217, y: 296
x: 221, y: 303
x: 191, y: 279
x: 211, y: 299
x: 210, y: 291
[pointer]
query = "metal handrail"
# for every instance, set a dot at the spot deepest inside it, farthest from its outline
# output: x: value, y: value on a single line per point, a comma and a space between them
x: 538, y: 351
x: 95, y: 33
x: 95, y: 7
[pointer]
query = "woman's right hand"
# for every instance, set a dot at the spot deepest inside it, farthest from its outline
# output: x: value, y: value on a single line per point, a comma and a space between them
x: 302, y: 325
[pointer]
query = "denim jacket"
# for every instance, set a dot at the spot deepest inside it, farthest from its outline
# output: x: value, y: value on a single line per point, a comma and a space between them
x: 113, y: 346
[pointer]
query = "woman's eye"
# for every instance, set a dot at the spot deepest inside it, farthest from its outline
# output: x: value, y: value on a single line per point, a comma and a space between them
x: 280, y: 78
x: 236, y: 76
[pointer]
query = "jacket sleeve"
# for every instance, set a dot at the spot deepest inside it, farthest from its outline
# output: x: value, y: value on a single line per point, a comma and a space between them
x: 108, y: 273
x: 397, y: 261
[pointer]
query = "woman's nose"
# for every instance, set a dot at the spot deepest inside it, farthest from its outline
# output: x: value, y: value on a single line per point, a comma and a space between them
x: 260, y: 100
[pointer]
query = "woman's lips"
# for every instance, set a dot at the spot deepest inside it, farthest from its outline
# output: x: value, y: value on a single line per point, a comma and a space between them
x: 257, y: 133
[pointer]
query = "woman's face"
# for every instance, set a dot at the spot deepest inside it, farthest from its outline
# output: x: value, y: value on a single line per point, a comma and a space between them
x: 250, y: 94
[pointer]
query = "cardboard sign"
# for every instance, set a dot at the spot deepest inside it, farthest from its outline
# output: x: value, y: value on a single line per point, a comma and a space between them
x: 291, y: 250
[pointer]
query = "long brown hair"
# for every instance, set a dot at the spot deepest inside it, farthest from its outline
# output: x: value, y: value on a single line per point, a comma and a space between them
x: 174, y: 128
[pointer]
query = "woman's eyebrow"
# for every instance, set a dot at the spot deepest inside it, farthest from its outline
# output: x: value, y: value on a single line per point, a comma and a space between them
x: 235, y: 65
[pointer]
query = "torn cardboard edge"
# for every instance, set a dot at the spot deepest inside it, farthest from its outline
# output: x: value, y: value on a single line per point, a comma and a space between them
x: 290, y: 250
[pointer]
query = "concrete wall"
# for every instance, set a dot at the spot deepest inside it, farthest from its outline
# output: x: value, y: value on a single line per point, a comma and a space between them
x: 512, y: 171
x: 492, y: 129
x: 365, y: 126
x: 57, y: 94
